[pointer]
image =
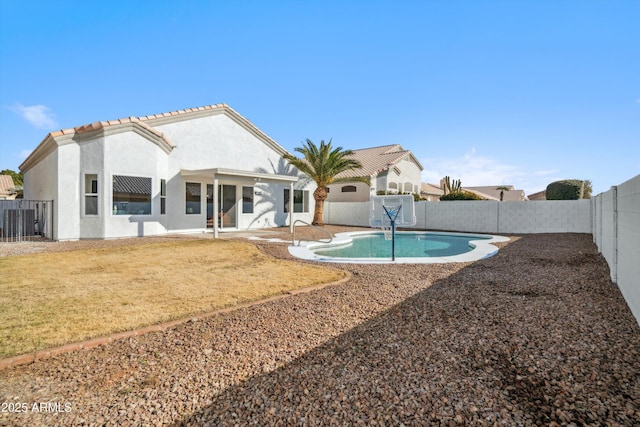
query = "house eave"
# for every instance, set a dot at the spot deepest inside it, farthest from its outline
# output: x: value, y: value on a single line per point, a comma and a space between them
x: 93, y: 131
x: 143, y: 126
x: 236, y: 173
x: 47, y: 146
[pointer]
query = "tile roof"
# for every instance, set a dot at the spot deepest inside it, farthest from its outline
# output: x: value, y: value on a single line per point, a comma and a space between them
x: 484, y: 196
x: 375, y: 160
x: 431, y: 189
x: 146, y: 124
x: 132, y: 119
x: 512, y: 195
x: 6, y: 185
x: 540, y: 195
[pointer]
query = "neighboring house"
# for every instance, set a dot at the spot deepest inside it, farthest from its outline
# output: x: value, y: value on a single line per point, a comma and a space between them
x: 389, y: 169
x: 430, y: 192
x: 540, y: 195
x: 483, y: 196
x: 511, y: 195
x: 490, y: 192
x: 183, y: 171
x: 7, y: 188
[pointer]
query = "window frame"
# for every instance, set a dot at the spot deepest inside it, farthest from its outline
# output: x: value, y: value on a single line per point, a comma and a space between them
x: 163, y: 196
x: 250, y: 190
x: 186, y: 207
x: 304, y: 194
x: 86, y: 194
x: 349, y: 189
x: 114, y: 212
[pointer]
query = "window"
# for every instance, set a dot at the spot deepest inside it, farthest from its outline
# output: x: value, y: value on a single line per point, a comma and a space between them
x: 300, y: 200
x: 131, y: 195
x: 163, y: 196
x: 247, y: 199
x: 408, y: 187
x: 192, y: 196
x: 349, y: 189
x: 91, y: 194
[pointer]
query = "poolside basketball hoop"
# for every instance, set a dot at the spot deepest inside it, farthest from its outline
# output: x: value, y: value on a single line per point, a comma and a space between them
x: 392, y: 212
x: 388, y: 212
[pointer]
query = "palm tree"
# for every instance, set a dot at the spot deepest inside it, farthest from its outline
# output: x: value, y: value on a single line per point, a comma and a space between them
x: 502, y: 190
x: 322, y: 164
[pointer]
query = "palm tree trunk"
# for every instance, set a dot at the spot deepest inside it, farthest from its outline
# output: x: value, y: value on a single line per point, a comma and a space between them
x: 318, y: 211
x: 319, y: 195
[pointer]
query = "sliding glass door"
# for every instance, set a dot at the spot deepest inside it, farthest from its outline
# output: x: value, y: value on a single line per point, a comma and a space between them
x: 227, y: 206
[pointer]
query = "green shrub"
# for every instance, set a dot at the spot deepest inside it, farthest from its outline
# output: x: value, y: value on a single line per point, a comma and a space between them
x: 568, y: 189
x: 460, y: 195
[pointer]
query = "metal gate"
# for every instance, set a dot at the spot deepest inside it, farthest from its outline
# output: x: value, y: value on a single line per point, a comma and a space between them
x: 26, y: 220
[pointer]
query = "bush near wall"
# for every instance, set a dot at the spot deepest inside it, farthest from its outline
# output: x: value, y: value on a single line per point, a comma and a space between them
x: 460, y: 195
x: 416, y: 197
x: 568, y: 189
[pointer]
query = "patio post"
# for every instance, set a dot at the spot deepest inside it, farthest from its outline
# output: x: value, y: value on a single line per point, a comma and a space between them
x: 291, y: 207
x: 215, y: 206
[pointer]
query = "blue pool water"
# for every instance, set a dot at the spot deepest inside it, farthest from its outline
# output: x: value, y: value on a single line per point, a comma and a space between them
x: 408, y: 245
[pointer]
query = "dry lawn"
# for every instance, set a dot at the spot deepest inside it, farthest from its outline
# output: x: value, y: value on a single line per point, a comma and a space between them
x: 52, y: 299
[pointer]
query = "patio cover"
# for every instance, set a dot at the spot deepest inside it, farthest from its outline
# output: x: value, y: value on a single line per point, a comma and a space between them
x: 216, y: 173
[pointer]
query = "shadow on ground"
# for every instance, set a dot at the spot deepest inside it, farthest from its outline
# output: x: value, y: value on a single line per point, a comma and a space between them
x: 535, y: 335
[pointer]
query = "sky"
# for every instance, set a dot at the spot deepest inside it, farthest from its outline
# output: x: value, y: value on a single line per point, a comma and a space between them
x: 514, y: 92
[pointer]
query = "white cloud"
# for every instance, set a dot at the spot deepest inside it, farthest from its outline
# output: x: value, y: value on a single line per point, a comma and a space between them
x: 39, y: 116
x: 473, y: 169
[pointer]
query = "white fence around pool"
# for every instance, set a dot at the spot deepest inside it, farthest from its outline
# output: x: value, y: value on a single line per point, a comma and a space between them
x: 612, y: 217
x: 488, y: 216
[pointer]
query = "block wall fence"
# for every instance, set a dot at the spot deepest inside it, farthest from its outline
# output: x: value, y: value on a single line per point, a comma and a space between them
x: 612, y: 218
x: 558, y: 216
x: 616, y: 233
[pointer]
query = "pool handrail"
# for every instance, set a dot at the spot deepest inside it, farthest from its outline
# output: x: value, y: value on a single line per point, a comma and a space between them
x: 293, y: 237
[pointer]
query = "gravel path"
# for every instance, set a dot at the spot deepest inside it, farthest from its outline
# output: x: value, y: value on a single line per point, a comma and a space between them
x: 536, y: 335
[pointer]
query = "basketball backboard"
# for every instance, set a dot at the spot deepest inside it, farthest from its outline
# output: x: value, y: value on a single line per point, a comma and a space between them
x: 378, y: 216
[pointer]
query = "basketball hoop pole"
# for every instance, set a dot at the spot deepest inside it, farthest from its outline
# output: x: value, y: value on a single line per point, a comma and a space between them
x: 393, y: 228
x: 393, y: 239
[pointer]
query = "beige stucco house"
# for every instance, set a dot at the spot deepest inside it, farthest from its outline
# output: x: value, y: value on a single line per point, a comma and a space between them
x: 389, y: 169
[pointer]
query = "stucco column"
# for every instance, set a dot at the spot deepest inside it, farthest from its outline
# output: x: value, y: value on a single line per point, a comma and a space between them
x: 215, y: 206
x: 291, y: 207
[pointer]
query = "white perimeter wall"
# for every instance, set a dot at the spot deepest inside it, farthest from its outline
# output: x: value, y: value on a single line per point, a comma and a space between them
x: 616, y: 232
x: 561, y: 216
x: 613, y: 218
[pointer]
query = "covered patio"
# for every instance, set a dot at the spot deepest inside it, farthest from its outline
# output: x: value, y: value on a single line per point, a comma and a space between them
x: 225, y: 196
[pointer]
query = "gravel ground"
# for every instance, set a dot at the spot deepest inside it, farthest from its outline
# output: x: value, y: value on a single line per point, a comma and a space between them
x: 536, y: 335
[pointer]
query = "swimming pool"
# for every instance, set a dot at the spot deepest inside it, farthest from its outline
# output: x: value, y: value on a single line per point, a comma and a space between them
x: 411, y: 247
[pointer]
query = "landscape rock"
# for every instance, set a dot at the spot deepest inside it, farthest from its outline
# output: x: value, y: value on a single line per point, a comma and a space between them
x: 536, y: 335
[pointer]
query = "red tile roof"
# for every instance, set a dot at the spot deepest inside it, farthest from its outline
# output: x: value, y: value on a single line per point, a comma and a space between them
x: 132, y: 119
